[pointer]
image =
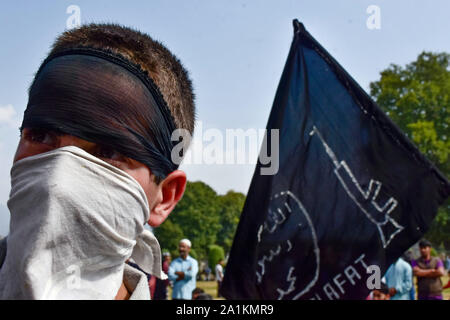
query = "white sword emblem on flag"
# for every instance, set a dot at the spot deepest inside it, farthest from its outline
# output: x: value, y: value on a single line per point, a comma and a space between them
x: 378, y: 214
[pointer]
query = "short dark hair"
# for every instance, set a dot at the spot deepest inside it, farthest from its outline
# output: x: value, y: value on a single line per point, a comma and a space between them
x: 162, y: 66
x: 424, y: 243
x: 198, y: 291
x: 204, y: 296
x: 383, y: 288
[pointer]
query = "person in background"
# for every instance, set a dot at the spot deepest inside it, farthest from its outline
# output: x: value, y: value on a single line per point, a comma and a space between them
x: 447, y: 263
x: 428, y: 271
x: 219, y: 275
x: 409, y: 257
x: 399, y: 280
x: 161, y: 285
x: 183, y: 272
x: 447, y: 267
x: 207, y: 272
x: 200, y: 294
x: 382, y: 293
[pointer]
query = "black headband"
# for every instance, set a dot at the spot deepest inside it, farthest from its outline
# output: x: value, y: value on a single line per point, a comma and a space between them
x: 76, y: 95
x: 124, y: 63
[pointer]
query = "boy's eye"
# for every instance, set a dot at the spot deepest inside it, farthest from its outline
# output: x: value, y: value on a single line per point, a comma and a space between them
x: 51, y: 139
x: 105, y: 152
x: 43, y: 136
x: 108, y: 153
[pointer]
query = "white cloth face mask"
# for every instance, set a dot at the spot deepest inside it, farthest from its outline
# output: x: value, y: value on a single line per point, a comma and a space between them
x: 75, y: 220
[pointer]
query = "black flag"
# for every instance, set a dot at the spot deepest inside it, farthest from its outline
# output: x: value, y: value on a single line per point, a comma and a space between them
x: 351, y: 193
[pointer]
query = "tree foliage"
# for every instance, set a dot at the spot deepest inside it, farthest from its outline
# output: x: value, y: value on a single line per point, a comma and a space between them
x: 204, y: 217
x: 215, y: 254
x: 169, y: 235
x: 231, y: 205
x: 417, y: 98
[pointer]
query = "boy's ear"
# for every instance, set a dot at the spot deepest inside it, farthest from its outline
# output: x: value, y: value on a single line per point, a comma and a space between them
x: 170, y: 191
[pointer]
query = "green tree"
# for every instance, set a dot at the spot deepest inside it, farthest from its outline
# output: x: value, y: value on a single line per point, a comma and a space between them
x: 169, y: 235
x: 231, y: 205
x: 215, y: 254
x: 204, y: 217
x: 196, y: 216
x: 417, y: 98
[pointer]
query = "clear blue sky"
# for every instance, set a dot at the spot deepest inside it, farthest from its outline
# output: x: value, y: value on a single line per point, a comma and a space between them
x: 235, y: 52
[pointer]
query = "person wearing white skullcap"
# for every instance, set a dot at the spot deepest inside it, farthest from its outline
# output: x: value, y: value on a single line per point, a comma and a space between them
x: 183, y: 272
x: 187, y: 242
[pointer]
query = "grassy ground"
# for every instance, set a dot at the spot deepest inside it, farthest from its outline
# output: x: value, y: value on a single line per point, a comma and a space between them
x: 210, y: 287
x: 446, y: 291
